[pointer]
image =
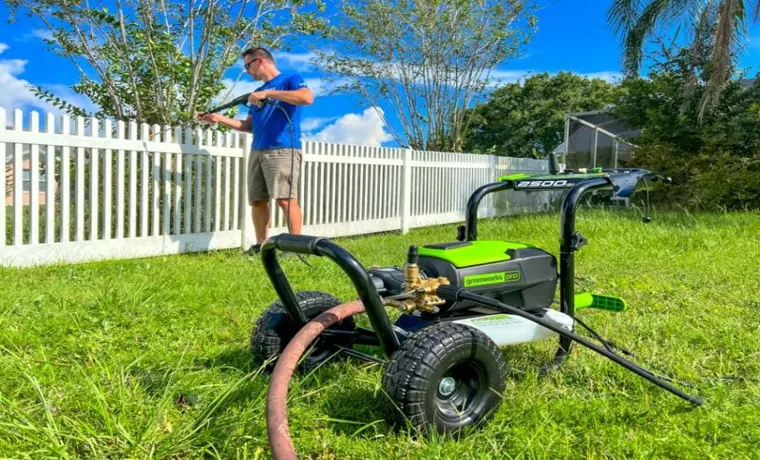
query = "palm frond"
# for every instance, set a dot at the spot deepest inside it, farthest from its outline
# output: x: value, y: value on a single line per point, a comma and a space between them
x: 636, y: 23
x: 622, y: 15
x: 703, y: 27
x: 731, y: 22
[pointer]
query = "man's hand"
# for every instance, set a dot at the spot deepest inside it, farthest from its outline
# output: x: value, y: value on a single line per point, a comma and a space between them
x: 240, y: 125
x: 210, y: 117
x: 256, y: 97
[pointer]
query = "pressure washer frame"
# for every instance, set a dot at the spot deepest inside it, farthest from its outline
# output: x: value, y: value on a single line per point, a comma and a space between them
x: 623, y: 182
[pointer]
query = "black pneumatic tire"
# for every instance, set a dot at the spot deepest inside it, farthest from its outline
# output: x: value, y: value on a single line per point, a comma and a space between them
x: 425, y: 365
x: 274, y: 329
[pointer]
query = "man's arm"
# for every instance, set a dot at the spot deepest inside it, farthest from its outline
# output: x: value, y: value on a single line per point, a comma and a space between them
x: 234, y: 123
x: 301, y: 96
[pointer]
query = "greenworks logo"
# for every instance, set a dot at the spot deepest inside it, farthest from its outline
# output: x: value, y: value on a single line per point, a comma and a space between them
x: 495, y: 320
x: 492, y: 278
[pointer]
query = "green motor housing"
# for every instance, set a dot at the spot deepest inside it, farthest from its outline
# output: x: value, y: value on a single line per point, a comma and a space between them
x: 517, y: 274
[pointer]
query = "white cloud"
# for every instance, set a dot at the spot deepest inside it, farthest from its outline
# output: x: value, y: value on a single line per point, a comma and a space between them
x: 610, y: 76
x: 42, y: 34
x: 503, y: 77
x: 234, y: 88
x: 16, y: 95
x: 300, y: 62
x: 312, y: 123
x: 366, y: 128
x: 323, y: 87
x: 35, y: 34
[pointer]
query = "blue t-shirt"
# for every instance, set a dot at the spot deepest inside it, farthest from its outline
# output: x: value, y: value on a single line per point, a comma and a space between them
x: 270, y: 126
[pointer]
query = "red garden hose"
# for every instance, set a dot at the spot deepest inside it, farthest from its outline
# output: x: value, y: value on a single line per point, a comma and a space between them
x: 277, y: 421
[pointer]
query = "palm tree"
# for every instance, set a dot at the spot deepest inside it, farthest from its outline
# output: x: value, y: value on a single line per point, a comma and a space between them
x: 715, y: 25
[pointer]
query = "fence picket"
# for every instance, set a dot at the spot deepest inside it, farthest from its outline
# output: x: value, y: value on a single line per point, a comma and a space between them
x: 227, y: 191
x: 188, y: 181
x: 217, y: 183
x: 107, y: 182
x: 80, y: 183
x: 18, y: 182
x: 120, y: 172
x: 94, y: 181
x: 34, y: 186
x: 209, y: 166
x: 132, y: 183
x: 155, y: 180
x: 198, y: 174
x: 3, y: 181
x: 237, y: 193
x: 341, y: 192
x: 145, y: 182
x: 360, y: 187
x: 49, y: 181
x: 167, y: 196
x: 331, y: 180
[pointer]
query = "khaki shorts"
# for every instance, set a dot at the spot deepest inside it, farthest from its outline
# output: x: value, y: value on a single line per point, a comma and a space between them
x: 269, y: 174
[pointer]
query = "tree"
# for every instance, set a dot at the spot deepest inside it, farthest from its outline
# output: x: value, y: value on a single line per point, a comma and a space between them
x: 159, y: 61
x: 715, y: 163
x: 426, y: 59
x: 715, y: 25
x: 528, y: 119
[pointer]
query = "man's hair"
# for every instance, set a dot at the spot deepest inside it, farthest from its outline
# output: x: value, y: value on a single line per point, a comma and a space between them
x: 257, y: 53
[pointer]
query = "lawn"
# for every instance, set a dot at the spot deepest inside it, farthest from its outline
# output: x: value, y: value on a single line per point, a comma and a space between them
x: 149, y: 358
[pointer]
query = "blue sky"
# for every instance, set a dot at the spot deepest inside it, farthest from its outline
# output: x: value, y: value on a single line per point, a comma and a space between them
x: 572, y: 36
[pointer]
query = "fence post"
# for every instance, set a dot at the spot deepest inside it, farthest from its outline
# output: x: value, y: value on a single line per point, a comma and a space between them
x: 4, y: 178
x: 491, y: 200
x: 567, y: 139
x: 406, y: 191
x: 247, y: 236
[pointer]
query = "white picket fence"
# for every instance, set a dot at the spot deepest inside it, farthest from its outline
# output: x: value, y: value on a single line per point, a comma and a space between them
x: 116, y: 190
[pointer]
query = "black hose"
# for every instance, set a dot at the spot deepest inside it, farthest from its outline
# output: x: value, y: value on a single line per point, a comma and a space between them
x: 455, y: 293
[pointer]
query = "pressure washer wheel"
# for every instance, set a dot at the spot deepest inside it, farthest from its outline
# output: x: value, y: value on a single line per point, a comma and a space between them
x: 446, y: 377
x: 274, y: 329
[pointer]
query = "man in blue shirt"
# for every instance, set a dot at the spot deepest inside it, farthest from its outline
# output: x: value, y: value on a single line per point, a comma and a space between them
x: 274, y: 165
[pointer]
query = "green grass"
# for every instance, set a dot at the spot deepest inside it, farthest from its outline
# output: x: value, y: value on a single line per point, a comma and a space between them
x: 149, y: 358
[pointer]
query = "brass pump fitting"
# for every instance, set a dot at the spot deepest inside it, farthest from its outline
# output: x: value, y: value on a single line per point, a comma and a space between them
x: 425, y: 298
x: 412, y: 270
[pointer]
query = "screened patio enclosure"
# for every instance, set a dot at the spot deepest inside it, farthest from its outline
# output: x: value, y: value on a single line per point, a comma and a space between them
x: 596, y: 139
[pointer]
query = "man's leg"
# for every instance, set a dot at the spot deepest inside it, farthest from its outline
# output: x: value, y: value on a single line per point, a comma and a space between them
x: 295, y: 219
x: 260, y: 214
x: 283, y: 168
x: 258, y: 196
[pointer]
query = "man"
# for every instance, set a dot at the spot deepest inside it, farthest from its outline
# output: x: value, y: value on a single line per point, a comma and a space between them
x: 274, y: 153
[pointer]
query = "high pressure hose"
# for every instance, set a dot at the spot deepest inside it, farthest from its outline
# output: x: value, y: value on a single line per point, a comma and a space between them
x: 276, y: 417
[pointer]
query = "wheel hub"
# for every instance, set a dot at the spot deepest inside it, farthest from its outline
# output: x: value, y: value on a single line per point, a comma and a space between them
x: 446, y: 386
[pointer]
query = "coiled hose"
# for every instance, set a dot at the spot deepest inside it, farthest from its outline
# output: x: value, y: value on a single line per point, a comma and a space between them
x: 277, y: 420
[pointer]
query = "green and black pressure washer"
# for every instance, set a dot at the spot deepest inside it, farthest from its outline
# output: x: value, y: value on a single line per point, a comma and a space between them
x: 460, y: 301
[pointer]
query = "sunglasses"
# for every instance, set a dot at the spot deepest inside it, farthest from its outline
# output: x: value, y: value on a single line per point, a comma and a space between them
x: 248, y: 64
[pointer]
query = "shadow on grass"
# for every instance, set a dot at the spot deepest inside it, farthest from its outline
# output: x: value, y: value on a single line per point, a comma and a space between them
x: 358, y: 412
x: 524, y: 361
x: 231, y: 360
